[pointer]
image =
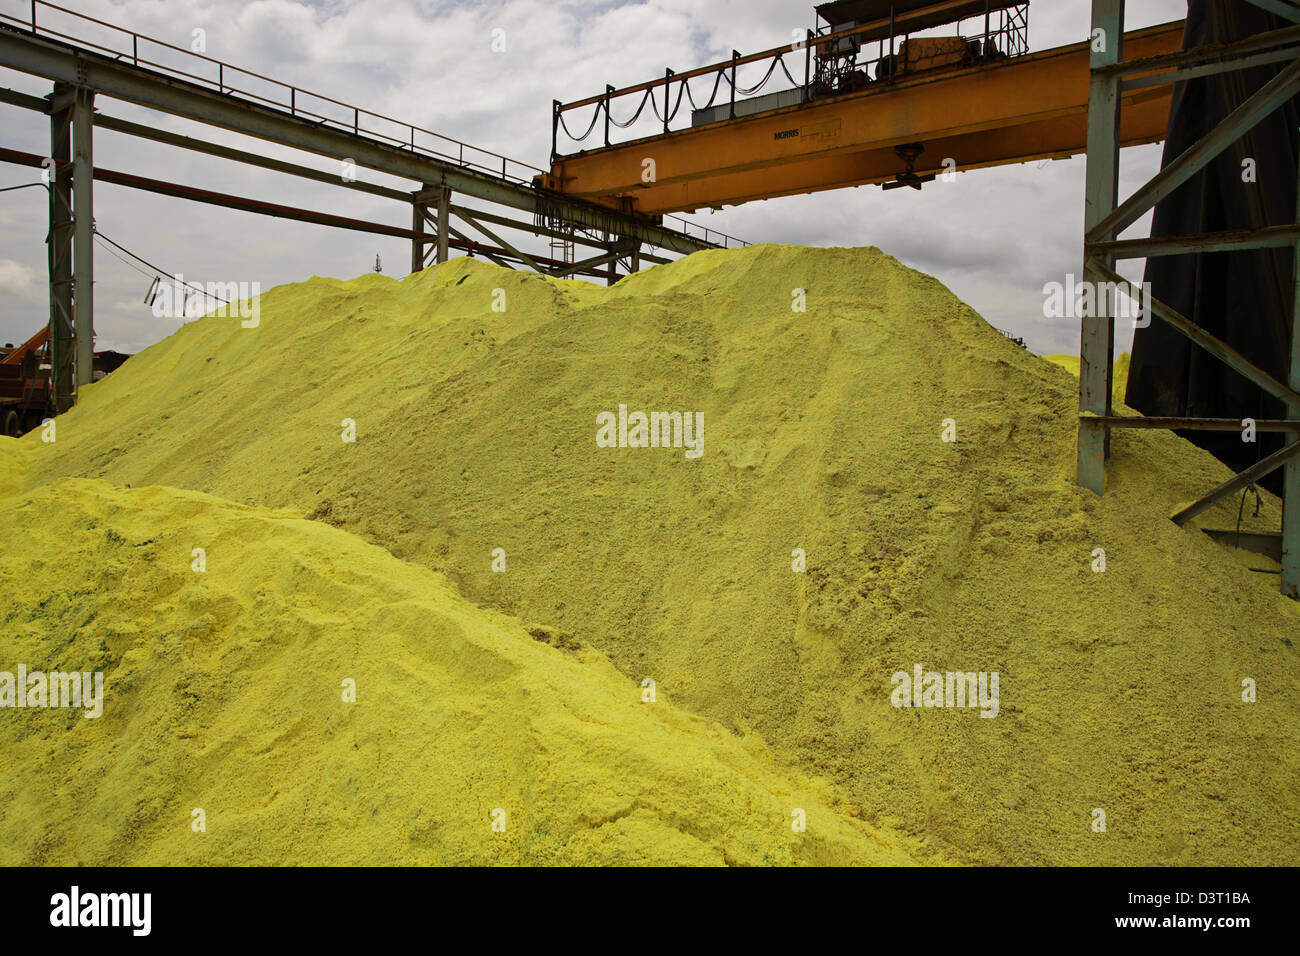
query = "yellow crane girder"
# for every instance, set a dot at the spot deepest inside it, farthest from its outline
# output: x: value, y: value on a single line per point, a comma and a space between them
x: 1026, y: 108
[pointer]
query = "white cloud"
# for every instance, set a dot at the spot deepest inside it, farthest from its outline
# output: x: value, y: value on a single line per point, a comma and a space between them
x: 17, y: 279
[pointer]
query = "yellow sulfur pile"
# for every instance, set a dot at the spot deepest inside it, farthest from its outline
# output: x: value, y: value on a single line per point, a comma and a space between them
x: 827, y: 381
x: 1120, y: 381
x: 226, y: 694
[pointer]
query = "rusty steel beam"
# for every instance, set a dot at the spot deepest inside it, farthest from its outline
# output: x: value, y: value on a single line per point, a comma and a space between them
x: 276, y: 210
x: 164, y: 137
x: 1101, y: 192
x: 120, y: 79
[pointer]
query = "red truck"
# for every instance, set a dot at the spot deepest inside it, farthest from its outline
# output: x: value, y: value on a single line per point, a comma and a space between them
x: 25, y: 382
x: 24, y: 385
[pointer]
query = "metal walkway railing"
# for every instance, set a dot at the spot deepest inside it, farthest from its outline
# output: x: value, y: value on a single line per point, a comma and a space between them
x: 57, y: 22
x: 227, y: 78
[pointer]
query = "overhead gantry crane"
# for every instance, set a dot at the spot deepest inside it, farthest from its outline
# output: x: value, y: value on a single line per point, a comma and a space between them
x: 869, y: 102
x: 922, y: 104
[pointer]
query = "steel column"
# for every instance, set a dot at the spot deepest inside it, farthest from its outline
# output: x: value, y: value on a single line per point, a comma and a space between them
x: 1096, y: 347
x: 83, y: 247
x: 60, y: 248
x: 444, y: 223
x: 419, y: 217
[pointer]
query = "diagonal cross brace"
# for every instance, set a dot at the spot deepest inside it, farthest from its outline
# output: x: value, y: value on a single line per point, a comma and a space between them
x: 528, y: 260
x: 1215, y: 346
x: 596, y: 260
x: 1283, y: 8
x: 1248, y: 477
x: 1261, y: 103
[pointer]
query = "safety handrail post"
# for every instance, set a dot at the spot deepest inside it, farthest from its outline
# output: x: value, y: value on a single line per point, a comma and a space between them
x: 555, y: 128
x: 893, y: 62
x: 668, y: 76
x: 608, y: 90
x: 807, y: 66
x: 735, y: 55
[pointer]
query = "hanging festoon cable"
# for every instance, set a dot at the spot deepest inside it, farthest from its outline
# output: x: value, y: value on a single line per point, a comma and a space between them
x: 186, y: 290
x: 24, y: 186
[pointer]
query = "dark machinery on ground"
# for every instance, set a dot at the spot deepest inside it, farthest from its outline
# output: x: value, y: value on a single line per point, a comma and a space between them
x: 25, y: 382
x: 24, y: 385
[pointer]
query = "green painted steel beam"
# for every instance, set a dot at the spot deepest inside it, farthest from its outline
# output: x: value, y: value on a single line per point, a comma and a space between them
x: 1210, y: 343
x: 1283, y: 8
x: 1096, y: 333
x: 1268, y: 98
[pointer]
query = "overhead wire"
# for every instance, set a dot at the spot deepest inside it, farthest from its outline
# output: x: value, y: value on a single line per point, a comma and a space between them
x: 162, y: 273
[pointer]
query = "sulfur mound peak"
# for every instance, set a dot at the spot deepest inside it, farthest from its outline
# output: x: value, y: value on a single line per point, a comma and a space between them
x: 827, y: 381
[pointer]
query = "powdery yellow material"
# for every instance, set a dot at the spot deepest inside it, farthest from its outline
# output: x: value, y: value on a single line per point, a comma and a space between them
x: 223, y: 691
x: 14, y: 456
x: 1068, y: 362
x: 1119, y: 381
x: 1121, y: 375
x: 476, y: 430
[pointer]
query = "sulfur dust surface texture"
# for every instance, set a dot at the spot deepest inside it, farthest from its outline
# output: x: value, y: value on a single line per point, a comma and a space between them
x: 855, y: 413
x: 318, y: 701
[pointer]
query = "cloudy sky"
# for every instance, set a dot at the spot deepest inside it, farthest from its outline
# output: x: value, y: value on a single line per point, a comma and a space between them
x: 994, y: 237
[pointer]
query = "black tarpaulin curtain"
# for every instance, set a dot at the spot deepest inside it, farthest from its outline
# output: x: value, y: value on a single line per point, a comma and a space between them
x: 1245, y: 297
